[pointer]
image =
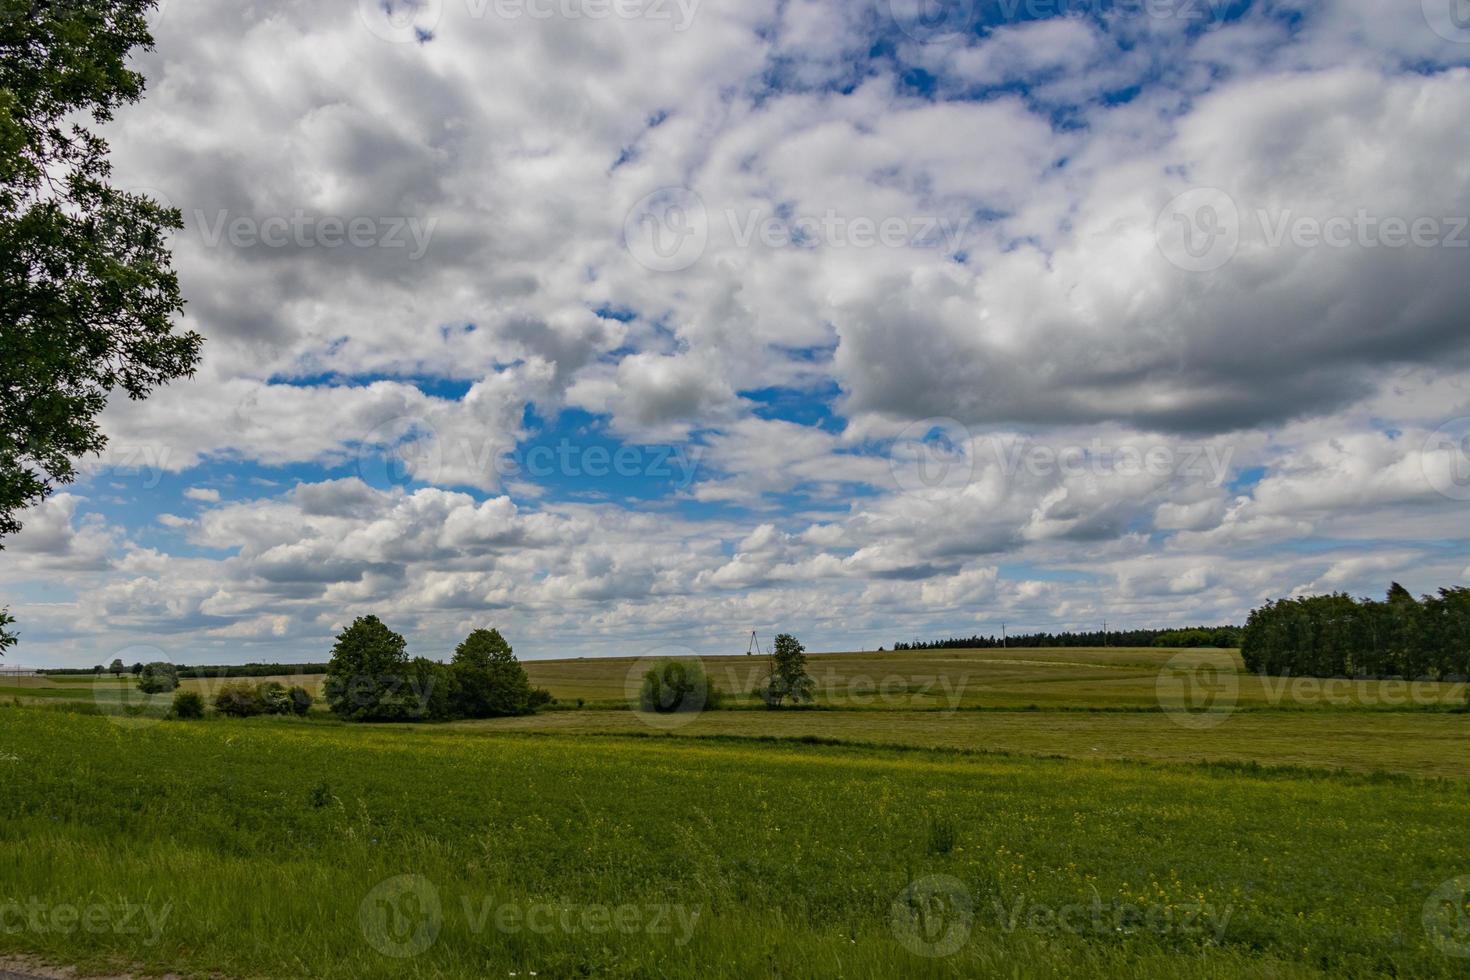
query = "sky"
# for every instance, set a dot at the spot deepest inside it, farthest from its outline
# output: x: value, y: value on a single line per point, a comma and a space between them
x: 627, y: 325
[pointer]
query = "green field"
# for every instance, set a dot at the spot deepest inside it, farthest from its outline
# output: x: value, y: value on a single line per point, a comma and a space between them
x: 1050, y: 813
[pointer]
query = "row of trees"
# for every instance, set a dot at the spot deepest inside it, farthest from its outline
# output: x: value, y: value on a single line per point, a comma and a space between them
x: 372, y: 678
x: 1340, y: 636
x: 1199, y: 636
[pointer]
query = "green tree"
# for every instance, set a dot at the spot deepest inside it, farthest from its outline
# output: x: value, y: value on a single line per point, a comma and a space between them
x: 157, y: 678
x: 789, y: 680
x: 489, y: 681
x: 367, y: 675
x: 117, y: 667
x: 89, y: 297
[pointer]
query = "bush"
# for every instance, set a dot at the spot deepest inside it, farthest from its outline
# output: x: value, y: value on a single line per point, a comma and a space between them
x: 239, y: 700
x: 188, y: 704
x: 301, y: 701
x: 672, y: 686
x: 274, y: 698
x: 158, y: 678
x: 542, y: 698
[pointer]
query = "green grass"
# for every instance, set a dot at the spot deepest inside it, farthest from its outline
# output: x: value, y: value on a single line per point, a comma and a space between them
x: 1305, y: 829
x: 1425, y: 743
x: 257, y: 844
x: 1064, y: 678
x: 1119, y: 679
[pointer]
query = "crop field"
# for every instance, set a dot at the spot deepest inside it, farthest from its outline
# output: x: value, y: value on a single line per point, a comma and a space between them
x: 952, y: 814
x: 296, y: 848
x: 1082, y: 679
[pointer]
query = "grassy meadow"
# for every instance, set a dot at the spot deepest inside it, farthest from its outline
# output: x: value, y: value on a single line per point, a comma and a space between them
x: 948, y: 814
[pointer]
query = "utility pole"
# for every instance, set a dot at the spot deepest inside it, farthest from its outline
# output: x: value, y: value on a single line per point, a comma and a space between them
x: 1003, y: 640
x: 1105, y: 632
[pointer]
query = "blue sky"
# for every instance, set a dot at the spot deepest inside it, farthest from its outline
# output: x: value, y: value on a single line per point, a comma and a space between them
x: 653, y: 327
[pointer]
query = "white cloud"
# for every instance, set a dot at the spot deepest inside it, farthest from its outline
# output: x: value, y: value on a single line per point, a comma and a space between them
x: 1024, y: 294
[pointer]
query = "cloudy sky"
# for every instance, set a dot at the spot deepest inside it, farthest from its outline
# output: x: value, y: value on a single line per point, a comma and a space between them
x: 628, y: 323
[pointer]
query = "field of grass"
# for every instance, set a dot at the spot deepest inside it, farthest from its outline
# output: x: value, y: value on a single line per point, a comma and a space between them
x: 1124, y: 679
x: 956, y: 813
x: 1413, y: 743
x: 285, y: 848
x: 1064, y: 678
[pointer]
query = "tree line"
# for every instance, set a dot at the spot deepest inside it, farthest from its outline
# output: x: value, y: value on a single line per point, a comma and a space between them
x: 1340, y: 636
x: 1226, y: 637
x: 205, y: 672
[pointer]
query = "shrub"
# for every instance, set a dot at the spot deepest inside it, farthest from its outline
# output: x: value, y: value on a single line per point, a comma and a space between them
x: 672, y: 686
x: 188, y: 704
x: 274, y: 698
x: 301, y: 701
x: 239, y: 700
x: 489, y: 681
x: 158, y: 678
x: 541, y: 698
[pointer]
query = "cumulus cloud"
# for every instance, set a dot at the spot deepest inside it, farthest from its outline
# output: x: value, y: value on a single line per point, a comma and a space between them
x: 926, y: 314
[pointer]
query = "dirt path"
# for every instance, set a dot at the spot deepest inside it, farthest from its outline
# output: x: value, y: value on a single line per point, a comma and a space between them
x: 26, y: 968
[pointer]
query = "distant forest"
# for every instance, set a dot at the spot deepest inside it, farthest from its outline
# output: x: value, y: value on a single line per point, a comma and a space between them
x: 216, y: 671
x: 1227, y: 637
